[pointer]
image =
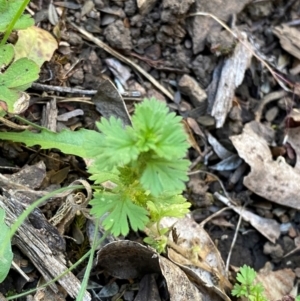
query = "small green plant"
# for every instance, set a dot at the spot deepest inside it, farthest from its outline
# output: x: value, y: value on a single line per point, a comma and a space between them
x: 144, y: 164
x: 247, y: 286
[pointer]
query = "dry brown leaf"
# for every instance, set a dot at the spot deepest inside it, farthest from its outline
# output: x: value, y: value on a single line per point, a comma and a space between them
x: 191, y: 137
x: 277, y: 284
x: 192, y: 249
x: 274, y: 180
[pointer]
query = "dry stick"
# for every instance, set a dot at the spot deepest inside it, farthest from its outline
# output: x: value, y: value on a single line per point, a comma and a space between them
x: 20, y: 271
x: 233, y: 242
x: 277, y: 76
x: 69, y: 90
x: 123, y: 59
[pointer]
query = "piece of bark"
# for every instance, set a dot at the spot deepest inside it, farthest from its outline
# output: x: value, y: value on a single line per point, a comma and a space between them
x: 49, y: 116
x: 231, y: 77
x: 34, y: 245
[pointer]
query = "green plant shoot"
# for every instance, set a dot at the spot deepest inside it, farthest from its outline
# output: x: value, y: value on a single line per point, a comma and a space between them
x: 247, y: 286
x: 144, y: 164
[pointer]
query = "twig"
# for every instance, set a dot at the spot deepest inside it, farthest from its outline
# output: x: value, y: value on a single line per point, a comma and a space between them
x: 20, y: 271
x: 42, y: 87
x: 233, y: 243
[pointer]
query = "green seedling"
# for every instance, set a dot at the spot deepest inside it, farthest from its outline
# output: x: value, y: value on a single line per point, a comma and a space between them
x: 247, y: 286
x: 142, y: 163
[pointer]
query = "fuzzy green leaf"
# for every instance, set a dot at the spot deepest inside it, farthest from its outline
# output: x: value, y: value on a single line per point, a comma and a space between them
x: 6, y: 55
x: 73, y: 143
x: 18, y: 77
x: 118, y: 211
x: 8, y: 10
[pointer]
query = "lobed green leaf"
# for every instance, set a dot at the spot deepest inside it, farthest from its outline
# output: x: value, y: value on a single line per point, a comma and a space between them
x: 118, y: 147
x: 162, y: 175
x: 118, y: 211
x: 246, y: 275
x: 159, y: 130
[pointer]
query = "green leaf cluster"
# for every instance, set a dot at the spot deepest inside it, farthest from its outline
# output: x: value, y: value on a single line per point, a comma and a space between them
x: 141, y: 167
x: 247, y: 286
x: 146, y: 166
x: 154, y: 146
x: 17, y: 76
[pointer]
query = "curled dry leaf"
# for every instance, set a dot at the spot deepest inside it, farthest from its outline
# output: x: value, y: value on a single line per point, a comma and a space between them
x: 274, y: 180
x: 191, y: 137
x: 128, y: 260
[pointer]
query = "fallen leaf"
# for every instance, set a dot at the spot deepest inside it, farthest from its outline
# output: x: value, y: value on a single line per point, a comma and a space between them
x: 128, y: 260
x: 274, y: 180
x: 193, y: 250
x: 36, y: 44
